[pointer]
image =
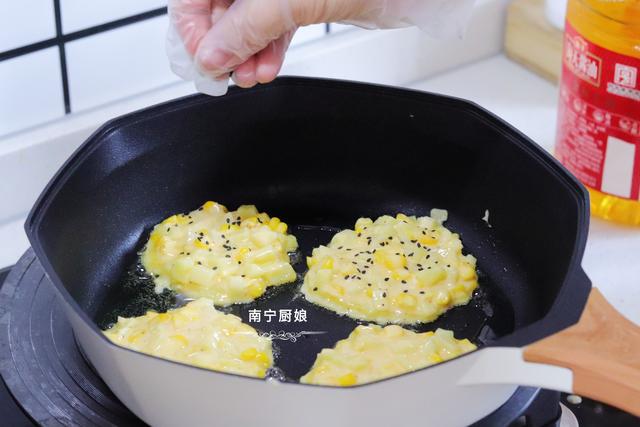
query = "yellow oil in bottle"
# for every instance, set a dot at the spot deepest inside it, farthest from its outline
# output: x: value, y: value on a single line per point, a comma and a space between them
x: 599, y: 118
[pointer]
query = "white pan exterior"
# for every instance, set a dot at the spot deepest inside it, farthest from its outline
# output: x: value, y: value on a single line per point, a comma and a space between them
x: 455, y: 393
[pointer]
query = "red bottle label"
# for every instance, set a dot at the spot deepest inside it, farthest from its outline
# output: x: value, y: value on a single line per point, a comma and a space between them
x: 599, y: 117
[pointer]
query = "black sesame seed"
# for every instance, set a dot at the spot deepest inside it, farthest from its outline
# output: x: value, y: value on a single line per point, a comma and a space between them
x: 422, y: 292
x: 315, y: 289
x: 214, y: 268
x: 386, y: 279
x: 359, y: 234
x: 199, y: 263
x: 228, y: 220
x: 384, y: 295
x: 340, y: 247
x: 369, y: 284
x: 346, y: 277
x: 239, y: 262
x: 404, y: 281
x: 243, y: 275
x: 227, y: 256
x: 405, y: 291
x: 411, y: 254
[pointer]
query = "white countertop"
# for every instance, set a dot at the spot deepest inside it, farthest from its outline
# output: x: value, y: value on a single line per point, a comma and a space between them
x: 528, y: 102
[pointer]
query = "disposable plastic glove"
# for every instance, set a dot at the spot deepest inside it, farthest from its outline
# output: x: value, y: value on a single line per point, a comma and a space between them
x: 249, y: 38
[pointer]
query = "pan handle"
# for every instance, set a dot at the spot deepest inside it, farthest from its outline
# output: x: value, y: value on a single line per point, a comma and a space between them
x: 602, y: 350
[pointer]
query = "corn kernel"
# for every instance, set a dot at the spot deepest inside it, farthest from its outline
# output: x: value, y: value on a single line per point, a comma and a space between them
x: 135, y: 337
x: 181, y: 339
x: 407, y: 300
x: 250, y: 222
x: 200, y: 244
x: 242, y: 252
x: 281, y: 228
x: 328, y: 263
x: 428, y: 240
x: 262, y: 358
x: 273, y: 223
x: 347, y: 380
x: 443, y: 299
x: 435, y: 358
x: 467, y: 272
x: 255, y: 290
x: 249, y: 354
x: 246, y: 211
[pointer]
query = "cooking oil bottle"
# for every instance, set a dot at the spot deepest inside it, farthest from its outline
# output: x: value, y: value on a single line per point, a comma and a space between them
x: 598, y: 136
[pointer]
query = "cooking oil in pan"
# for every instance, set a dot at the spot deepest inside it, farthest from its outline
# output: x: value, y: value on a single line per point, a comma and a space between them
x: 486, y: 317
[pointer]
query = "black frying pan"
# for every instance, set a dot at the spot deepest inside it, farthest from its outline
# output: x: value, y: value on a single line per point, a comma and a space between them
x: 319, y: 154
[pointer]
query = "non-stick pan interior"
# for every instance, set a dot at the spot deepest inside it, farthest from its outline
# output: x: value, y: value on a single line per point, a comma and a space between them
x: 319, y: 155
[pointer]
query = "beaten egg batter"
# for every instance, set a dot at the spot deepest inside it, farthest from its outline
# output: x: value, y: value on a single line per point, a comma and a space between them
x: 372, y: 353
x: 199, y: 335
x: 230, y: 257
x: 392, y: 270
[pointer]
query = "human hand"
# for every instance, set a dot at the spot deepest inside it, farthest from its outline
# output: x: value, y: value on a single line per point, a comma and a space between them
x: 249, y: 38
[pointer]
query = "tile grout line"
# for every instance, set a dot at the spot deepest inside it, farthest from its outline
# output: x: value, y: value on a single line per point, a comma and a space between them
x: 63, y: 57
x: 65, y: 38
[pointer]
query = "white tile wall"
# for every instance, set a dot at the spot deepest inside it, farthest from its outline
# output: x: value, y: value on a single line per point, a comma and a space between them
x: 79, y: 14
x: 118, y: 63
x: 308, y: 33
x: 31, y: 90
x: 24, y: 22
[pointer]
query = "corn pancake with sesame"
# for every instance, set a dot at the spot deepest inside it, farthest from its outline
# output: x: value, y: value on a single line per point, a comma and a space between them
x: 197, y: 334
x: 401, y: 270
x: 229, y: 257
x: 372, y: 353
